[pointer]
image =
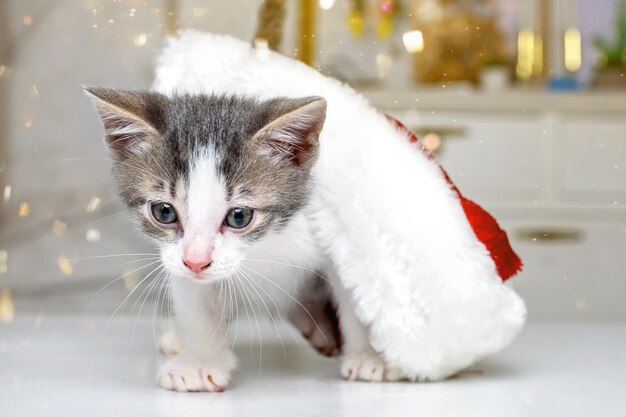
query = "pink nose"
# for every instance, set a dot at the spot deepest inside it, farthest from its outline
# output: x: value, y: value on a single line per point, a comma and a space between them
x: 197, y: 266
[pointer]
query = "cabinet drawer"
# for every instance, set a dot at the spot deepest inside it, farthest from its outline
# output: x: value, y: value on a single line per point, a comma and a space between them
x: 589, y: 161
x: 573, y: 270
x: 494, y: 159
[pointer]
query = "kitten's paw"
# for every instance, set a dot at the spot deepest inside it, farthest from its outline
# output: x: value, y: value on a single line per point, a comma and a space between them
x: 185, y: 376
x: 320, y: 336
x: 169, y: 344
x: 317, y: 321
x: 368, y: 366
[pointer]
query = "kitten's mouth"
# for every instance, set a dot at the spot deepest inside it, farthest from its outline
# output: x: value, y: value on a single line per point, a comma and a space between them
x: 198, y: 277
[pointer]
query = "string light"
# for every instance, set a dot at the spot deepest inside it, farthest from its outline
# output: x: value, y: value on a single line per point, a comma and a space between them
x: 92, y: 235
x: 65, y: 265
x: 525, y: 54
x: 93, y: 205
x: 140, y: 40
x: 4, y: 257
x: 413, y: 41
x: 58, y: 227
x: 7, y: 310
x: 327, y: 4
x: 572, y: 50
x: 7, y: 194
x: 24, y: 210
x: 131, y: 281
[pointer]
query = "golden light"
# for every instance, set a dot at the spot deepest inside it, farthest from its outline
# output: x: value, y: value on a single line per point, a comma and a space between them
x: 327, y: 4
x: 7, y: 310
x: 431, y: 141
x: 65, y: 265
x: 24, y: 210
x: 140, y: 40
x: 93, y: 205
x: 58, y: 227
x: 525, y: 54
x: 27, y: 20
x: 413, y: 41
x: 573, y: 50
x: 28, y: 123
x: 131, y: 280
x: 538, y: 56
x: 4, y: 257
x: 92, y: 235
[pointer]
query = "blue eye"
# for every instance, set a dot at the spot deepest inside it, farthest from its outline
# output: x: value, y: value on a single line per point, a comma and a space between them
x: 238, y: 218
x: 163, y: 213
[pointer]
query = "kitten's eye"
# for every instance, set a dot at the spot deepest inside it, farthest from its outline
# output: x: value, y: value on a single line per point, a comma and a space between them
x: 238, y: 218
x: 163, y: 213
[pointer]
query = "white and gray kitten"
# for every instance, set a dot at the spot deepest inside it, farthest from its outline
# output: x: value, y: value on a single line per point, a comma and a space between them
x: 222, y: 183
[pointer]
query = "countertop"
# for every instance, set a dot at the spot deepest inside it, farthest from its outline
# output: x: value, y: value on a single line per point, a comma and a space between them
x: 72, y: 365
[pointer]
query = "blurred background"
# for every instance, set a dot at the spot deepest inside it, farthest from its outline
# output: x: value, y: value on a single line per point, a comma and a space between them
x: 522, y: 101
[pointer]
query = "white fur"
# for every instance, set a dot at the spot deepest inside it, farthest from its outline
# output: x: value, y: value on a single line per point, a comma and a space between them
x: 396, y: 234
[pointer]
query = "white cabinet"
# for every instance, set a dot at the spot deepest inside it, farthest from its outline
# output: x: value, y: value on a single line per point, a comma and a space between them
x: 552, y: 168
x: 497, y: 159
x: 592, y: 165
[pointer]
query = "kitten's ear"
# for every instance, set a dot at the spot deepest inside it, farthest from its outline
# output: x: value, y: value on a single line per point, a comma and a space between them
x: 293, y: 135
x: 125, y: 118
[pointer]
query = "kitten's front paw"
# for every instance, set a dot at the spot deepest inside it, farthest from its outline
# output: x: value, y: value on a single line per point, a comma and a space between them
x: 368, y: 366
x: 182, y: 375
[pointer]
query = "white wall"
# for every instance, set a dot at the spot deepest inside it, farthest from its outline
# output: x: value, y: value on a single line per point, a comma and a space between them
x: 56, y: 161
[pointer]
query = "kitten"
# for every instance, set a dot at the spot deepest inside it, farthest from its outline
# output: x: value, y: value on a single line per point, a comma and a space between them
x: 222, y: 183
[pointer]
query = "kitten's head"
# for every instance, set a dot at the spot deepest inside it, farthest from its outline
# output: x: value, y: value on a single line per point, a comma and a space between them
x: 209, y: 177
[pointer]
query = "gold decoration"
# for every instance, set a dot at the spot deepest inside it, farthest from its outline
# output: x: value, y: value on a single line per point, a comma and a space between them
x: 388, y: 10
x: 270, y: 26
x: 459, y: 44
x: 356, y: 18
x: 306, y: 46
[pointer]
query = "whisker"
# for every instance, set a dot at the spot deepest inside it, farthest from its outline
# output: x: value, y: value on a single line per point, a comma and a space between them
x: 147, y: 288
x: 294, y: 266
x: 111, y: 256
x: 150, y: 258
x: 256, y: 319
x: 129, y: 294
x: 280, y: 317
x: 156, y: 309
x: 91, y: 223
x: 248, y: 315
x: 288, y: 295
x: 114, y: 281
x: 249, y: 281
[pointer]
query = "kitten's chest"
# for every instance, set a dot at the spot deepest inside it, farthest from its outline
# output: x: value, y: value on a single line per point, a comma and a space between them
x: 274, y: 274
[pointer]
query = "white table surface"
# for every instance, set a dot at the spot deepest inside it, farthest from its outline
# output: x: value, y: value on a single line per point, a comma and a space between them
x: 61, y: 365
